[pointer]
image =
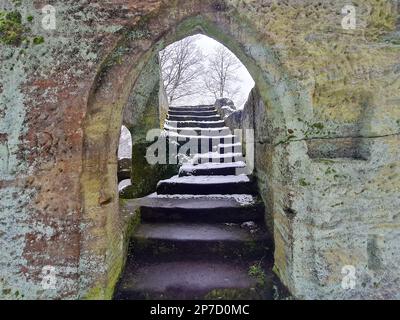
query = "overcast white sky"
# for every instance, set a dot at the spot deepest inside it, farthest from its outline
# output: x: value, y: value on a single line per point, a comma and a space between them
x: 208, y: 45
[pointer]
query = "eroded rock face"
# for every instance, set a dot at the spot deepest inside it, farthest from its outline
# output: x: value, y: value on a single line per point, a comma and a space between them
x: 227, y: 109
x: 61, y: 106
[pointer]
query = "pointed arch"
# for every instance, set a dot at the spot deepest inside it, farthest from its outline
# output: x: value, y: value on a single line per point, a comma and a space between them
x: 102, y: 247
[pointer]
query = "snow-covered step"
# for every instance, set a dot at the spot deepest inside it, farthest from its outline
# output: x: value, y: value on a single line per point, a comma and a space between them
x: 191, y: 240
x: 192, y: 113
x: 230, y: 200
x: 124, y: 184
x: 203, y: 143
x: 193, y: 145
x: 228, y: 208
x: 177, y: 232
x: 197, y: 118
x: 216, y: 157
x: 196, y: 124
x: 206, y: 185
x: 193, y: 108
x: 213, y: 169
x: 198, y: 130
x: 229, y: 145
x: 207, y: 132
x: 223, y: 138
x: 229, y: 148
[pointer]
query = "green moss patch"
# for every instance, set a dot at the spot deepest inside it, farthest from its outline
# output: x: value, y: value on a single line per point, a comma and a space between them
x: 38, y: 40
x: 256, y: 271
x: 304, y: 183
x: 11, y: 28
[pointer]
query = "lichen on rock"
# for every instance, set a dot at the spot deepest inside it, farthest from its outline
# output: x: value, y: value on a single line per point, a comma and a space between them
x: 325, y: 114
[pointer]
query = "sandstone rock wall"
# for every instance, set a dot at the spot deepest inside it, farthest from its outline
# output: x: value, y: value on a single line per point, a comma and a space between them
x: 327, y: 129
x: 227, y: 109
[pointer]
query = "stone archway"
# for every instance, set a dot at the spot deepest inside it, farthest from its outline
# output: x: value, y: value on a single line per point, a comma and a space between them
x: 327, y: 131
x: 105, y: 115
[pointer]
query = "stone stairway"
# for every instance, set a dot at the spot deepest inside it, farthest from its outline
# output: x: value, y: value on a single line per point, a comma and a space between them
x: 202, y: 234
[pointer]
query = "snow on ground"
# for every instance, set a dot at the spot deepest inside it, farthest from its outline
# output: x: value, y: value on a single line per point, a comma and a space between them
x: 194, y: 121
x: 208, y: 179
x: 175, y: 134
x: 211, y: 165
x: 192, y: 129
x: 124, y: 184
x: 228, y: 111
x: 216, y: 155
x: 242, y: 199
x: 125, y: 144
x: 230, y: 145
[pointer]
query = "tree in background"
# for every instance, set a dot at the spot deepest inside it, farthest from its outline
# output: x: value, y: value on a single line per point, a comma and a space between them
x: 195, y: 71
x: 220, y: 78
x: 181, y: 65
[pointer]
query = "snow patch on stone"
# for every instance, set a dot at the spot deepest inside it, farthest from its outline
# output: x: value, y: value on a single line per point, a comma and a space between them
x: 207, y: 179
x: 242, y: 199
x: 211, y: 165
x: 230, y: 145
x: 216, y: 155
x: 194, y: 121
x: 194, y: 117
x: 124, y: 184
x: 175, y: 134
x: 168, y: 127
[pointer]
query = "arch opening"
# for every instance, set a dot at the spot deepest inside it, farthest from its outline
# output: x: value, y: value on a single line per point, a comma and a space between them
x: 102, y: 124
x: 124, y: 159
x: 198, y: 81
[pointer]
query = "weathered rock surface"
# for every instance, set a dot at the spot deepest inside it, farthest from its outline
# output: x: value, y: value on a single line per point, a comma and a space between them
x: 226, y: 108
x: 61, y: 107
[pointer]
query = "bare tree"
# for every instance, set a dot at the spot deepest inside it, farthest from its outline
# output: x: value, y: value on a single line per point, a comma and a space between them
x: 181, y: 66
x: 220, y: 79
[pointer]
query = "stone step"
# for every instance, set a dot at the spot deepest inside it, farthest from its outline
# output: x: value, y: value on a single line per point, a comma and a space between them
x: 123, y: 184
x: 229, y: 148
x: 177, y: 240
x: 203, y: 185
x: 207, y: 208
x: 124, y: 175
x: 193, y: 108
x: 193, y: 113
x: 217, y: 132
x: 213, y: 169
x: 198, y: 144
x: 216, y: 157
x: 230, y: 145
x: 195, y: 124
x: 193, y: 118
x: 124, y: 169
x: 217, y: 139
x: 203, y: 279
